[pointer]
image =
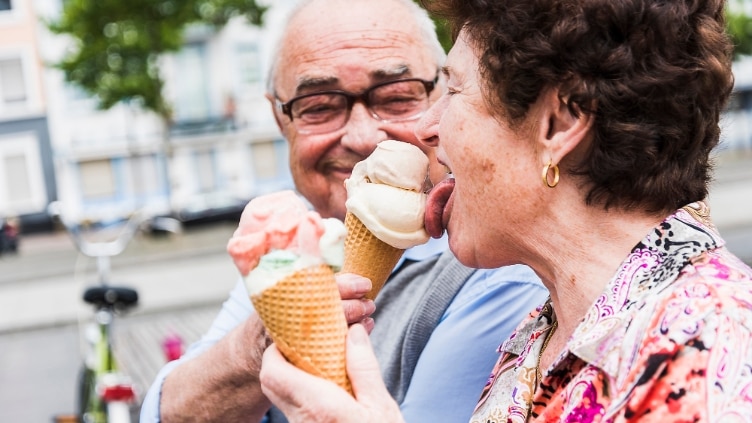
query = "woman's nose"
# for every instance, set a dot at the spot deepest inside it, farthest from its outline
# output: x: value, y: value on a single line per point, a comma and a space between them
x: 427, y: 128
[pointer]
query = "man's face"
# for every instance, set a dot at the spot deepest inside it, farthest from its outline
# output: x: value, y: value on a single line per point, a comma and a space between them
x: 335, y: 46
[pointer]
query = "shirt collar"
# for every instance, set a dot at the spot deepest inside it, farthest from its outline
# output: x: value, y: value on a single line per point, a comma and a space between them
x: 432, y: 247
x: 654, y: 263
x: 539, y: 320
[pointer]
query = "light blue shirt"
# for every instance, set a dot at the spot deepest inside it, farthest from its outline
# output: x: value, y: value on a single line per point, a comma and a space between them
x: 459, y: 355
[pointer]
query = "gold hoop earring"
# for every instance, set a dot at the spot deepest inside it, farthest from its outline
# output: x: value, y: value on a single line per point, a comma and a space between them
x: 546, y: 168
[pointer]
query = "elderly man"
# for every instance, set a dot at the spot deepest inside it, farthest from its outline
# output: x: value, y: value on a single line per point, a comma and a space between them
x: 347, y: 75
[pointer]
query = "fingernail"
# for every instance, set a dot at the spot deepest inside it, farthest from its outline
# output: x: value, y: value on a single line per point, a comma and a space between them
x: 368, y: 323
x: 368, y: 307
x: 360, y: 284
x: 358, y: 335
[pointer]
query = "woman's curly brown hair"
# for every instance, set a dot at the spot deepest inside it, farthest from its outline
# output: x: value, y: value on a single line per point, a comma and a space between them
x: 657, y: 71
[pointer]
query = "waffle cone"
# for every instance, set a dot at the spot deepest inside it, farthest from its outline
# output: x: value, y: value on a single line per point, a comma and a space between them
x: 368, y: 256
x: 303, y: 315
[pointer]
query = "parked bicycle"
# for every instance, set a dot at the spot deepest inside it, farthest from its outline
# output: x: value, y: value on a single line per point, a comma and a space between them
x: 105, y: 394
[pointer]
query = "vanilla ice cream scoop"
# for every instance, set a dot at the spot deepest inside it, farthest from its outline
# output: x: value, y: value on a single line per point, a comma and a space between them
x: 385, y: 211
x: 385, y: 192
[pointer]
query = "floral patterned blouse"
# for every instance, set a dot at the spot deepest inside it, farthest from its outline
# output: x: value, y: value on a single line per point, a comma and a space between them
x: 668, y: 340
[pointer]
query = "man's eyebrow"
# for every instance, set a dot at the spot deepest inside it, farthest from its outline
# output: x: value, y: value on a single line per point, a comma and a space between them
x: 307, y: 84
x: 310, y: 84
x: 381, y: 74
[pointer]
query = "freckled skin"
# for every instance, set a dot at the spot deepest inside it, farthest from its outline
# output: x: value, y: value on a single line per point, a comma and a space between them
x: 484, y: 154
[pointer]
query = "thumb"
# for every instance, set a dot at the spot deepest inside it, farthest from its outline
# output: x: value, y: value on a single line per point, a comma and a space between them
x: 365, y: 376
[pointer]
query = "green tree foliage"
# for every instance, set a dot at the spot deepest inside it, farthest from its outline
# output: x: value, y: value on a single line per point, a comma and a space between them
x: 740, y: 28
x: 116, y: 43
x: 442, y: 30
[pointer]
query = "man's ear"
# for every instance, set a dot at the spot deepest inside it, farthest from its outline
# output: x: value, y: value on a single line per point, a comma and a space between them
x: 561, y: 131
x: 275, y: 112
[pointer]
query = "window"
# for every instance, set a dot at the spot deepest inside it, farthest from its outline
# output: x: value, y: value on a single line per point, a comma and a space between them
x: 264, y: 160
x: 5, y: 5
x: 206, y: 171
x: 12, y: 86
x: 249, y: 66
x: 269, y: 159
x: 144, y: 175
x: 17, y: 175
x: 22, y: 187
x: 192, y: 94
x: 97, y: 180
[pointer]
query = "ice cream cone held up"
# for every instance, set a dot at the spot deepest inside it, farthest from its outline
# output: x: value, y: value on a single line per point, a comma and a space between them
x: 385, y: 210
x: 278, y: 249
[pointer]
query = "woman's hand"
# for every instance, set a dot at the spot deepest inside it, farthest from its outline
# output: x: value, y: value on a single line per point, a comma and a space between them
x: 352, y: 290
x: 305, y: 398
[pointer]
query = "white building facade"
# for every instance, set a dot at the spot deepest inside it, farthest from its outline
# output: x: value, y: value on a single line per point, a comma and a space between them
x: 26, y: 175
x: 222, y: 149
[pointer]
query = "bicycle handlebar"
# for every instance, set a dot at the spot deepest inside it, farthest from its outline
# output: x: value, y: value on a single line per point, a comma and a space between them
x: 98, y: 249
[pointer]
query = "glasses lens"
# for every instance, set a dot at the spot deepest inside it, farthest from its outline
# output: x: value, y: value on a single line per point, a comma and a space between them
x: 319, y: 112
x: 400, y: 100
x: 328, y: 111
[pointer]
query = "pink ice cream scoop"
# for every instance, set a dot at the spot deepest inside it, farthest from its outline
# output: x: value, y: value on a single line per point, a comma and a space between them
x: 278, y: 249
x: 276, y: 221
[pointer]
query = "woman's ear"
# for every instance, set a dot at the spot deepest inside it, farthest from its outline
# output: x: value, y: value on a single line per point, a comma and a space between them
x: 561, y: 131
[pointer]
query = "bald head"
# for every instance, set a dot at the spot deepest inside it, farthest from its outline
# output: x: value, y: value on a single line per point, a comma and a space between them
x: 312, y: 18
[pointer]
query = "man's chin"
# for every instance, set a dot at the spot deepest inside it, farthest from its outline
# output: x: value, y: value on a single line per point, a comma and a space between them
x: 334, y: 204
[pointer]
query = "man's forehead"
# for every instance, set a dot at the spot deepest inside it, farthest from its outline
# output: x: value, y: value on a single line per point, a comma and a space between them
x: 351, y: 47
x: 367, y: 23
x: 330, y: 65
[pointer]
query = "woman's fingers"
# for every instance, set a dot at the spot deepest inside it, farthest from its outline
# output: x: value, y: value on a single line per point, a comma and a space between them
x: 365, y: 377
x: 302, y: 397
x: 306, y: 398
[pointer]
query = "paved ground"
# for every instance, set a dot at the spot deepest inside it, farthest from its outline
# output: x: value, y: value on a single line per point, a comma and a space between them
x: 41, y: 286
x: 182, y: 281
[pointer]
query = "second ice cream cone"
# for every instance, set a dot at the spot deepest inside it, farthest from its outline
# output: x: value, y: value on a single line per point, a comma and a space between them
x: 368, y: 256
x: 303, y: 315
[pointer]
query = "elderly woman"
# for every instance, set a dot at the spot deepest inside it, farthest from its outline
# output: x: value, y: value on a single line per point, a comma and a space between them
x: 578, y: 133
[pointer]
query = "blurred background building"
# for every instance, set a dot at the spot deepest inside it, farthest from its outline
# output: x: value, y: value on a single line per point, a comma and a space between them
x: 221, y: 149
x: 27, y: 173
x: 222, y: 146
x: 736, y: 124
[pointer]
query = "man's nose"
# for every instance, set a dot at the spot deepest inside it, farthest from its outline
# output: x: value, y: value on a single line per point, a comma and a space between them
x: 362, y: 131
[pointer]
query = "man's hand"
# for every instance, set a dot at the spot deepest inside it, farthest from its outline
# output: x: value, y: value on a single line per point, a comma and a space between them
x: 306, y: 398
x: 358, y: 309
x: 222, y: 384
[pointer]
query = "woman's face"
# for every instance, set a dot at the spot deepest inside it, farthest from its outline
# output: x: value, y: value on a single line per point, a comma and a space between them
x: 494, y: 168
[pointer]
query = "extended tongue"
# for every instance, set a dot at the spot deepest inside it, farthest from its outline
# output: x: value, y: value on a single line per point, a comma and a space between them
x: 435, y: 205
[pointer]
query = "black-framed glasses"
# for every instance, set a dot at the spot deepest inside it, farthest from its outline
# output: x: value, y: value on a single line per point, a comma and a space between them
x: 327, y: 111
